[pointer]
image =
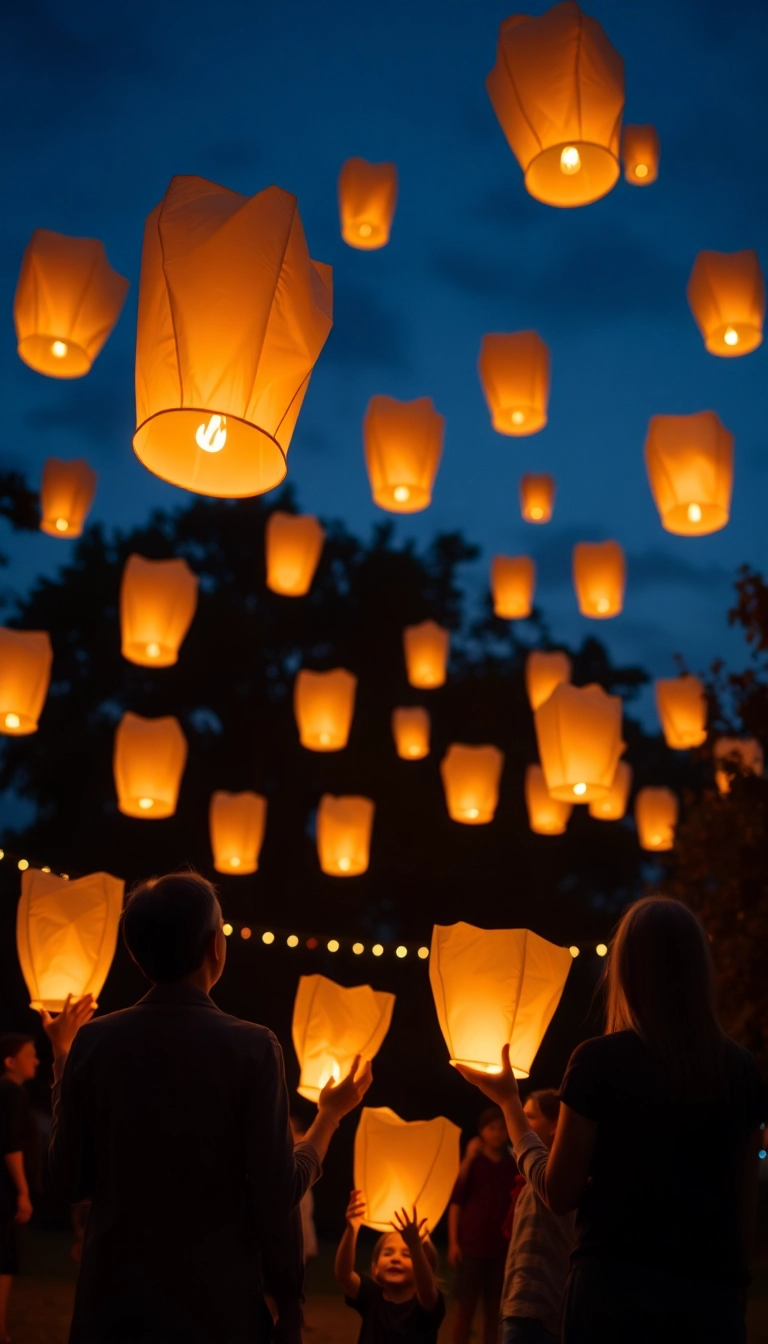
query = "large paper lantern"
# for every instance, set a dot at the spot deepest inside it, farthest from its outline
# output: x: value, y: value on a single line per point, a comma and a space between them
x: 689, y: 460
x: 410, y: 729
x: 599, y: 576
x: 640, y: 154
x: 744, y: 755
x: 471, y: 778
x: 25, y: 671
x: 513, y: 579
x: 149, y: 760
x: 237, y: 822
x: 537, y: 497
x: 557, y: 89
x: 495, y: 987
x: 331, y: 1025
x: 294, y: 544
x: 514, y: 372
x: 66, y: 495
x: 578, y: 730
x: 67, y: 301
x: 613, y: 806
x: 344, y: 828
x: 66, y: 935
x: 403, y: 446
x: 158, y: 599
x: 367, y: 200
x: 726, y: 292
x: 546, y: 816
x: 233, y: 314
x: 543, y: 672
x: 681, y: 703
x: 324, y: 703
x: 400, y: 1163
x: 656, y: 812
x: 426, y: 648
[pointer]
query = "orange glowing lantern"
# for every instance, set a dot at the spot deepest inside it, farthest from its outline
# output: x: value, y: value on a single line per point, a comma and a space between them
x: 410, y: 729
x: 403, y: 447
x: 66, y: 935
x: 294, y: 544
x: 681, y: 703
x: 656, y: 812
x: 726, y: 292
x: 578, y: 730
x: 367, y: 200
x: 237, y: 822
x: 640, y: 153
x: 344, y: 828
x: 514, y: 372
x: 537, y: 497
x: 400, y: 1163
x: 613, y: 806
x: 25, y: 671
x: 66, y: 495
x: 471, y: 778
x: 546, y: 816
x: 689, y: 460
x: 324, y: 703
x: 599, y: 576
x: 736, y: 756
x: 513, y: 579
x: 543, y: 672
x: 149, y: 760
x: 158, y: 599
x: 333, y: 1024
x: 233, y: 315
x: 426, y: 649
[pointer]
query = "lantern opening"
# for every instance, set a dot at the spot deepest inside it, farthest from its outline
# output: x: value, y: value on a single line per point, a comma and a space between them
x: 518, y: 417
x: 61, y: 525
x: 177, y: 447
x: 579, y: 789
x: 146, y: 803
x: 567, y: 175
x: 153, y: 650
x: 401, y: 493
x: 212, y: 437
x: 641, y: 170
x: 570, y: 160
x: 731, y: 336
x: 59, y: 349
x: 365, y: 230
x: 46, y: 353
x: 694, y: 513
x: 536, y: 512
x: 12, y: 721
x: 234, y: 862
x: 345, y: 864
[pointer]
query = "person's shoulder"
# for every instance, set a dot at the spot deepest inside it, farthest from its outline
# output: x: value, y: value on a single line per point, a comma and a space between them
x: 606, y: 1049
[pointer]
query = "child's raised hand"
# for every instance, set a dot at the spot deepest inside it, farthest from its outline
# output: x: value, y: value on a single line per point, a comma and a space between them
x: 355, y: 1209
x: 411, y: 1230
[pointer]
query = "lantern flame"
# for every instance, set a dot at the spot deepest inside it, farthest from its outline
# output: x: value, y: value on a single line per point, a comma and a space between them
x: 153, y: 650
x: 641, y: 170
x: 146, y: 803
x: 694, y: 513
x: 365, y: 230
x: 570, y: 160
x: 579, y: 789
x: 402, y: 493
x: 234, y: 862
x: 536, y: 512
x: 731, y: 336
x: 61, y: 525
x: 59, y: 349
x: 334, y: 1072
x: 12, y: 721
x: 212, y: 437
x: 518, y: 417
x: 345, y: 864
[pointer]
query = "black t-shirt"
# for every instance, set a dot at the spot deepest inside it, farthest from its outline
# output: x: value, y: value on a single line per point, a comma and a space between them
x: 387, y: 1322
x: 18, y: 1134
x: 664, y: 1181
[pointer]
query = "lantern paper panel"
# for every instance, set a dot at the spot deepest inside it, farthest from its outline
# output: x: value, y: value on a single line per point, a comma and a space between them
x: 613, y: 806
x: 294, y: 544
x: 367, y: 200
x: 681, y: 704
x: 237, y: 822
x: 400, y: 1163
x: 726, y: 292
x: 25, y: 672
x: 689, y: 460
x: 744, y: 755
x: 344, y: 828
x: 557, y: 89
x: 514, y: 372
x: 471, y: 778
x: 640, y: 153
x: 233, y: 315
x: 599, y: 577
x: 537, y: 497
x: 656, y: 813
x: 158, y: 599
x: 332, y: 1025
x: 149, y: 760
x: 546, y: 816
x: 411, y: 731
x: 68, y: 299
x: 513, y: 579
x: 66, y: 494
x: 426, y: 648
x: 403, y: 446
x: 544, y: 672
x: 494, y: 987
x: 324, y: 703
x: 66, y: 935
x: 578, y: 730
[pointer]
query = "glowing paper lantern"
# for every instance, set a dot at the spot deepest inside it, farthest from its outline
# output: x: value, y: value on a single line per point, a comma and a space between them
x: 537, y: 497
x: 403, y: 446
x: 149, y: 760
x: 557, y: 89
x: 399, y: 1163
x: 66, y: 935
x: 640, y: 153
x: 656, y: 812
x: 25, y: 671
x: 158, y: 599
x: 546, y: 816
x: 367, y: 200
x: 324, y: 703
x: 410, y: 729
x: 681, y: 703
x: 578, y: 730
x: 599, y: 576
x: 494, y: 987
x: 233, y: 314
x: 514, y: 372
x: 513, y: 579
x: 426, y: 649
x: 543, y: 672
x: 237, y: 822
x: 294, y: 544
x: 471, y: 781
x: 66, y: 495
x: 344, y: 834
x: 331, y: 1025
x: 613, y: 806
x: 689, y: 460
x: 726, y: 292
x: 67, y: 301
x: 743, y: 754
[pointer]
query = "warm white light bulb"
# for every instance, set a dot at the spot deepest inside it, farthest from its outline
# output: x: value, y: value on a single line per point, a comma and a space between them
x: 153, y: 650
x: 731, y: 336
x: 59, y: 349
x: 694, y: 513
x: 146, y: 803
x: 61, y: 525
x: 23, y: 865
x: 357, y: 948
x: 12, y: 721
x: 402, y: 493
x: 333, y: 945
x: 601, y: 949
x: 212, y: 437
x: 267, y: 937
x: 570, y: 160
x: 401, y: 951
x: 574, y: 951
x: 345, y: 864
x: 365, y: 230
x: 292, y: 940
x: 226, y: 929
x: 641, y: 170
x: 423, y: 953
x: 377, y: 950
x: 579, y: 789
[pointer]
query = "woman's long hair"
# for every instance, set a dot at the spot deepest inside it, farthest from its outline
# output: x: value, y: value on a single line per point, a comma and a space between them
x: 660, y: 984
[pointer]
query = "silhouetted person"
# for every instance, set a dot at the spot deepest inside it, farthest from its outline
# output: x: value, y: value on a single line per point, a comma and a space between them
x: 20, y: 1149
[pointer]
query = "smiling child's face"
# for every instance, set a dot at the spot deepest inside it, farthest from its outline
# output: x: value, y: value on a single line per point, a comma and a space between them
x: 394, y: 1265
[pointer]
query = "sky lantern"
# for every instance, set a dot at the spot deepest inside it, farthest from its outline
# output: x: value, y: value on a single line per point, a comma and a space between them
x: 726, y: 292
x: 149, y: 759
x: 514, y: 372
x: 25, y: 671
x: 614, y: 804
x: 640, y: 153
x: 410, y: 729
x: 68, y: 299
x: 578, y: 730
x: 681, y: 703
x: 294, y: 544
x: 736, y: 755
x: 158, y: 599
x: 66, y: 935
x: 66, y: 494
x: 513, y: 579
x: 399, y: 1163
x: 367, y: 200
x: 426, y: 649
x: 546, y: 816
x: 543, y: 672
x: 344, y: 828
x: 494, y: 987
x: 324, y: 703
x: 599, y: 576
x: 656, y: 812
x: 233, y: 315
x: 537, y: 497
x: 689, y: 460
x: 471, y: 778
x: 557, y: 89
x: 331, y: 1025
x: 237, y: 822
x: 403, y: 446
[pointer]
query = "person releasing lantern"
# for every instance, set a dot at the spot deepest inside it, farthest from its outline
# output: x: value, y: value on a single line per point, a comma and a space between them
x: 656, y: 812
x: 158, y: 599
x: 294, y: 544
x: 546, y: 816
x: 237, y: 822
x: 681, y: 704
x: 578, y: 730
x: 513, y: 579
x: 66, y: 935
x: 640, y: 153
x: 543, y: 672
x: 514, y: 372
x: 537, y: 497
x: 426, y: 649
x: 410, y: 729
x: 736, y: 756
x: 689, y: 460
x: 66, y: 495
x: 403, y: 446
x: 344, y: 828
x: 324, y: 703
x: 726, y: 292
x: 471, y: 778
x: 332, y: 1025
x: 613, y: 806
x: 599, y: 576
x: 399, y: 1164
x: 25, y: 671
x: 149, y: 760
x: 367, y: 200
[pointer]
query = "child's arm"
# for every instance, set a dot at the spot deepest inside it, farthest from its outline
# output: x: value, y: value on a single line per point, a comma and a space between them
x: 411, y: 1232
x: 344, y: 1266
x: 454, y: 1248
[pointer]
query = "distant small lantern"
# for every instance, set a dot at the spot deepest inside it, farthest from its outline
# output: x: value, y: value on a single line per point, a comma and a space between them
x: 158, y: 599
x: 66, y: 494
x: 67, y: 301
x: 237, y: 822
x: 367, y: 200
x: 640, y: 154
x: 736, y: 756
x: 426, y: 649
x: 471, y: 778
x: 233, y: 315
x: 410, y: 729
x: 656, y: 813
x: 25, y: 671
x: 546, y: 816
x: 681, y: 704
x: 324, y: 703
x: 689, y: 460
x: 557, y: 89
x: 344, y: 828
x: 543, y: 672
x: 331, y: 1025
x: 294, y: 544
x: 578, y: 730
x: 514, y: 372
x: 403, y: 446
x: 599, y: 577
x: 613, y: 806
x: 537, y: 497
x: 149, y: 760
x: 726, y: 292
x: 513, y: 579
x: 402, y: 1163
x: 66, y: 935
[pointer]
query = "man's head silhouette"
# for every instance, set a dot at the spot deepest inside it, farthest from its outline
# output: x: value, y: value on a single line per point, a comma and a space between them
x: 172, y: 929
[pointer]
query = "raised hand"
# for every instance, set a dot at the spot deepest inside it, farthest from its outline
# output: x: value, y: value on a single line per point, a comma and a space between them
x: 62, y: 1029
x: 411, y: 1230
x: 355, y: 1209
x: 499, y: 1087
x: 338, y: 1099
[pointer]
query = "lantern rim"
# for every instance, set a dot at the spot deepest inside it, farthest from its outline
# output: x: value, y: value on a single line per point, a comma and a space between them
x: 505, y: 613
x: 51, y: 1005
x: 378, y: 237
x: 714, y: 517
x: 26, y: 724
x: 535, y: 419
x: 599, y: 173
x: 254, y: 464
x: 564, y: 793
x: 418, y: 497
x: 750, y: 337
x: 549, y: 828
x: 48, y: 525
x: 242, y: 870
x: 35, y: 352
x: 161, y: 809
x: 630, y: 174
x: 485, y: 1066
x: 135, y: 652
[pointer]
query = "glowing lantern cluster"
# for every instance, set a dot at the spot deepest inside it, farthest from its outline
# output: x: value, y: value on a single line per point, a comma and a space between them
x: 578, y: 730
x: 743, y: 755
x: 426, y: 648
x: 158, y: 599
x: 66, y: 495
x: 471, y: 778
x: 640, y: 153
x: 613, y: 806
x: 294, y: 544
x: 514, y: 372
x: 333, y: 1024
x: 403, y: 446
x: 399, y: 1164
x: 726, y: 292
x: 689, y: 460
x: 537, y: 497
x: 513, y: 579
x: 25, y: 671
x: 324, y: 703
x: 367, y: 200
x: 411, y: 729
x: 237, y: 822
x: 681, y: 704
x: 543, y: 673
x: 66, y: 935
x: 546, y: 816
x: 656, y: 813
x: 344, y: 828
x: 149, y: 760
x: 599, y: 576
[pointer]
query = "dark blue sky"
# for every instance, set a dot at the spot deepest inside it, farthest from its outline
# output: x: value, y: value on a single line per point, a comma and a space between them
x: 102, y: 103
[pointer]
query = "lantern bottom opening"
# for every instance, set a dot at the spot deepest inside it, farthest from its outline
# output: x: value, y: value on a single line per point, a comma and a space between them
x: 160, y: 809
x: 241, y: 869
x: 364, y: 234
x: 136, y: 652
x: 592, y: 613
x: 520, y: 612
x: 288, y: 587
x: 597, y: 175
x: 394, y: 498
x: 249, y: 462
x: 50, y: 1005
x: 38, y: 353
x: 749, y: 338
x: 566, y: 793
x: 685, y: 741
x: 547, y: 828
x: 471, y: 816
x: 608, y: 814
x: 15, y: 724
x: 425, y: 681
x: 48, y: 525
x: 330, y: 743
x: 482, y: 1066
x: 546, y: 515
x: 631, y: 175
x: 709, y: 518
x: 519, y: 420
x: 656, y: 848
x: 414, y: 755
x: 335, y: 869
